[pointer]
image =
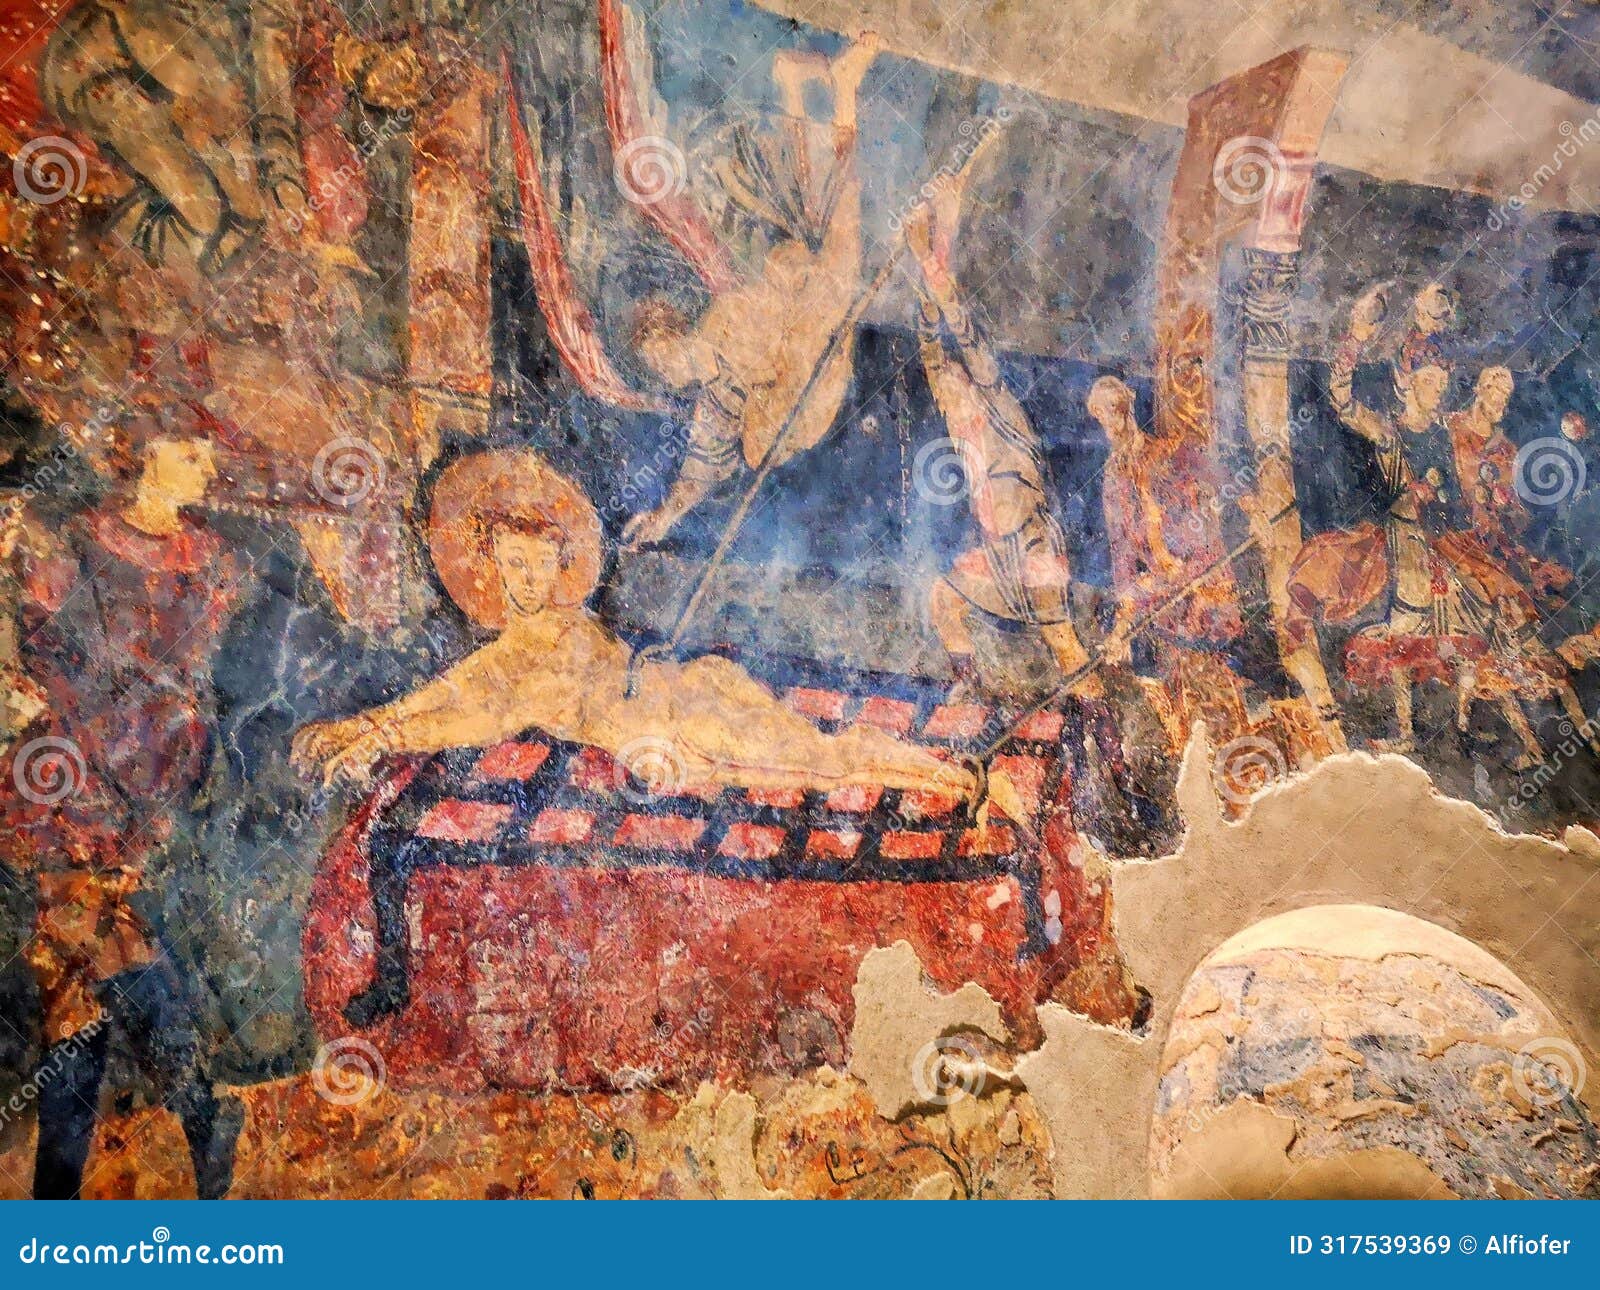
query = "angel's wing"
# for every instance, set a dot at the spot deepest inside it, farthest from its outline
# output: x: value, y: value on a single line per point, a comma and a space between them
x: 651, y: 168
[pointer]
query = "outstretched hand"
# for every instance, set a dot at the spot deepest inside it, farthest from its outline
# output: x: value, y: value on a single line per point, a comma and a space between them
x: 340, y: 750
x: 315, y: 741
x: 353, y: 764
x: 647, y: 528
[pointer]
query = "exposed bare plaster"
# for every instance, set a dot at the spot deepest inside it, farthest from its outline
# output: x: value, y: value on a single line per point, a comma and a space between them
x: 1377, y: 1038
x: 731, y: 1143
x: 1355, y: 830
x: 1243, y: 1151
x: 1413, y: 107
x: 899, y: 1021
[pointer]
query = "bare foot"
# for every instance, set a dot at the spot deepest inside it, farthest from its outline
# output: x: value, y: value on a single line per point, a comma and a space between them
x: 851, y: 65
x: 793, y: 70
x: 1003, y: 795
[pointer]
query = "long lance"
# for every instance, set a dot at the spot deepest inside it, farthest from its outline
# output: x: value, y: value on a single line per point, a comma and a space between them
x: 764, y: 468
x: 1137, y: 627
x: 842, y: 334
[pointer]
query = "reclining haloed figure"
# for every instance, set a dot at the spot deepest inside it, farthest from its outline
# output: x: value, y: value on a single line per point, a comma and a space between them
x: 748, y: 360
x: 518, y: 548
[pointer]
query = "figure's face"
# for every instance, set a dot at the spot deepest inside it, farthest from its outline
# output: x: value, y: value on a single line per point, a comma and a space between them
x: 529, y: 565
x: 1494, y: 394
x: 181, y: 470
x: 1427, y: 388
x: 1435, y: 309
x: 1110, y: 406
x: 669, y: 356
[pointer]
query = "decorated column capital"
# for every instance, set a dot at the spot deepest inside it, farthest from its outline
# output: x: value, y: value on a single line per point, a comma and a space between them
x: 1281, y: 221
x: 1269, y: 287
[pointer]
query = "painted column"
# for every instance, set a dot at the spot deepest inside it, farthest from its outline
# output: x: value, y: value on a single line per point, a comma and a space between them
x: 1246, y: 171
x: 1272, y: 266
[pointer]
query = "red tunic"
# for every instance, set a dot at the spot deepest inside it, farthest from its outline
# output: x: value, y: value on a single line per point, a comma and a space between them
x: 1172, y: 481
x: 1487, y: 469
x: 119, y: 628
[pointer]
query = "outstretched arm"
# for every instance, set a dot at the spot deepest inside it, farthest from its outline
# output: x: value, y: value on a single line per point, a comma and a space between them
x: 712, y: 455
x: 942, y: 299
x: 477, y: 702
x: 1364, y: 320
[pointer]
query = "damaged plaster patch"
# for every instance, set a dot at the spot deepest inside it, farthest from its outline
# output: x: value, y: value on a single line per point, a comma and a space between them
x: 1354, y: 830
x: 1365, y: 1030
x: 895, y: 1047
x: 728, y: 1124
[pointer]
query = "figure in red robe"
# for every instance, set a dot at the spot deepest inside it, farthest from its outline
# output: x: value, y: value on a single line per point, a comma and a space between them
x: 1162, y: 542
x: 121, y: 611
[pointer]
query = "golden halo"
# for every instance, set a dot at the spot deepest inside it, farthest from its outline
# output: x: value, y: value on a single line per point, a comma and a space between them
x: 514, y: 482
